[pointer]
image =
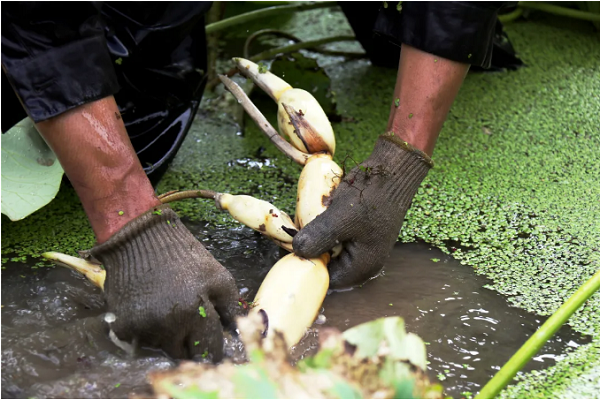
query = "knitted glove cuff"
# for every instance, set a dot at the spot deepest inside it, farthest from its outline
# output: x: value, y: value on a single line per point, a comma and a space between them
x: 391, y: 137
x: 404, y: 165
x: 152, y: 239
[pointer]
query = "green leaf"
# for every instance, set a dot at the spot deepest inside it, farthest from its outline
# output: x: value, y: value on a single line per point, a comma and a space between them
x: 191, y: 393
x: 393, y: 372
x: 202, y: 311
x: 252, y: 382
x: 411, y: 348
x: 320, y: 360
x: 31, y: 173
x: 262, y: 68
x: 435, y: 259
x: 404, y: 389
x: 256, y: 356
x: 343, y: 390
x: 366, y: 337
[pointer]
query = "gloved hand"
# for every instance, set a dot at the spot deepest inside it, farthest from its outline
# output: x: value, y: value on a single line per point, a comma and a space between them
x: 167, y: 290
x: 366, y: 212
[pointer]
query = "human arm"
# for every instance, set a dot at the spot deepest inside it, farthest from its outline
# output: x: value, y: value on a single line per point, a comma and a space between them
x: 439, y: 40
x: 368, y: 207
x: 159, y: 276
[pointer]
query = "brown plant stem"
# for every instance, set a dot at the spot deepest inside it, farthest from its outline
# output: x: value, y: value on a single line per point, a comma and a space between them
x: 264, y: 125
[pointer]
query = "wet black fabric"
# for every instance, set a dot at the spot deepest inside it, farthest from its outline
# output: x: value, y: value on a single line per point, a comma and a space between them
x: 150, y: 55
x: 54, y: 54
x: 467, y: 32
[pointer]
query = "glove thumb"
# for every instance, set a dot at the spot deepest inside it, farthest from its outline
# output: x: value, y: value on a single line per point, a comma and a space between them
x: 320, y: 235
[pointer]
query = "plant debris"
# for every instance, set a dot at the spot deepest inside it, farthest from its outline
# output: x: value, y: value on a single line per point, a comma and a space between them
x: 377, y: 359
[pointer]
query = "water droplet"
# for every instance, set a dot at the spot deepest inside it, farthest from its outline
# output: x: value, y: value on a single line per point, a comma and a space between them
x: 110, y: 317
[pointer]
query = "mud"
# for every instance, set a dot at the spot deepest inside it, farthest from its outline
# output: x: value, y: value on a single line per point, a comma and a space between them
x: 54, y: 344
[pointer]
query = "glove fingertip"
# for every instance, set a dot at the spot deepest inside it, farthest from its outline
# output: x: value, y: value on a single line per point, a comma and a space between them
x: 305, y: 246
x: 225, y: 298
x: 206, y: 340
x: 311, y: 242
x: 339, y: 273
x: 228, y: 314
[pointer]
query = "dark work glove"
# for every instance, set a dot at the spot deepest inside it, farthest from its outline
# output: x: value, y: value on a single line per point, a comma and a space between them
x: 165, y: 289
x: 366, y: 212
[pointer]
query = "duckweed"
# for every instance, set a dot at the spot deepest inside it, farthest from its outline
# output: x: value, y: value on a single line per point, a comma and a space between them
x: 519, y: 205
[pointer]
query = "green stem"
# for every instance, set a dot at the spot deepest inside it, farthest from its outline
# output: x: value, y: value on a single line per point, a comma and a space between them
x: 274, y: 32
x: 566, y: 12
x: 539, y: 338
x: 266, y: 12
x: 298, y: 46
x: 511, y: 16
x: 290, y: 48
x: 170, y: 197
x: 215, y: 14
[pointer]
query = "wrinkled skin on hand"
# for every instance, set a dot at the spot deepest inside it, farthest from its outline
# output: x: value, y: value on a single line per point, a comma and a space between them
x: 366, y: 212
x: 166, y: 290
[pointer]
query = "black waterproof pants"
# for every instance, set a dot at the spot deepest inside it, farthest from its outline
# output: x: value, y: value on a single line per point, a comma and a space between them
x: 152, y: 57
x: 465, y: 31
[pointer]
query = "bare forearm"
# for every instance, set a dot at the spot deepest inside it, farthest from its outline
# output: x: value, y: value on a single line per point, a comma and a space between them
x: 426, y: 87
x: 94, y: 149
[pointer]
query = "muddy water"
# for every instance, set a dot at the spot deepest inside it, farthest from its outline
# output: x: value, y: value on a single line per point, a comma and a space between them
x: 54, y: 345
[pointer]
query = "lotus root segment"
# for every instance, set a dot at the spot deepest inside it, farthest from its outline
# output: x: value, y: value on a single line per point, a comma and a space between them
x: 259, y: 215
x: 300, y: 117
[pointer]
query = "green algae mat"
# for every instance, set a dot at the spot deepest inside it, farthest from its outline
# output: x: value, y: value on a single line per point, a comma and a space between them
x: 514, y: 194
